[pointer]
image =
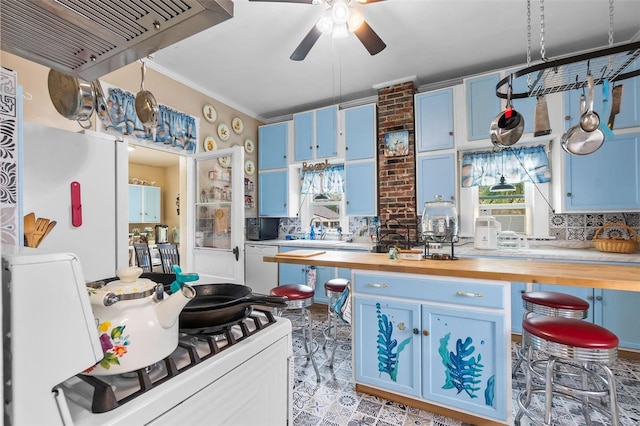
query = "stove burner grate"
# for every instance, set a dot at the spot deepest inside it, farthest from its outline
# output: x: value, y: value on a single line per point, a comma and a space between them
x: 104, y: 397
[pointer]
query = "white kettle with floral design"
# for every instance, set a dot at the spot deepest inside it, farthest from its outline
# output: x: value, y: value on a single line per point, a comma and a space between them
x: 137, y: 322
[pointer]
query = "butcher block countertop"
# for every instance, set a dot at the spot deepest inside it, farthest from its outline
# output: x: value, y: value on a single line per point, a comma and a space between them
x: 603, y: 276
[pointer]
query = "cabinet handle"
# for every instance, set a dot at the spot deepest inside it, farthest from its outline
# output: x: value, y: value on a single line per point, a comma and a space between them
x: 377, y: 285
x: 425, y: 332
x: 462, y: 293
x: 416, y: 331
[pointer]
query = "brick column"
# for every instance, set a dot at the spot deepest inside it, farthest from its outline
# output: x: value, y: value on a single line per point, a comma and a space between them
x: 397, y: 175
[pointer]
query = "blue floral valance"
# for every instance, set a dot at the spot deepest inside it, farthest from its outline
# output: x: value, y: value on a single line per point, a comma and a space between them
x: 328, y: 181
x: 517, y: 164
x: 174, y: 128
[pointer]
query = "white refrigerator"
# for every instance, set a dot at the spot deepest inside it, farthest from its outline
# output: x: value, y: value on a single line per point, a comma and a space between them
x: 80, y: 181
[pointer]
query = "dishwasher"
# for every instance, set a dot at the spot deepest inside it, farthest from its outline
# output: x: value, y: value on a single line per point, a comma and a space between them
x: 259, y: 275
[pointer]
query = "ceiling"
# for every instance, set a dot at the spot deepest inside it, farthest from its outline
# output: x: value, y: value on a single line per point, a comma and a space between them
x: 244, y: 61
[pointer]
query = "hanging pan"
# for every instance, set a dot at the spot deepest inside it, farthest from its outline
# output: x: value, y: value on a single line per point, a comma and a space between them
x: 146, y: 105
x: 507, y: 128
x: 578, y: 142
x: 73, y: 98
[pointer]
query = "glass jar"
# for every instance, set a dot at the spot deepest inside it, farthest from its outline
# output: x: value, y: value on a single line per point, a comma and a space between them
x: 440, y: 220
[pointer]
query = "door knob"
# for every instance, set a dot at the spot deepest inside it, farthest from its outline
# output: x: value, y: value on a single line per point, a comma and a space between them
x: 236, y: 252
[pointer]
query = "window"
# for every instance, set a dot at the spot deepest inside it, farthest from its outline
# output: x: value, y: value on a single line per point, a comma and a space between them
x: 322, y: 198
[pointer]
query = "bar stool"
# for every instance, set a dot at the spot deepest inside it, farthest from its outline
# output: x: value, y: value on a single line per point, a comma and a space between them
x: 300, y: 297
x: 582, y: 349
x: 334, y: 289
x: 550, y: 304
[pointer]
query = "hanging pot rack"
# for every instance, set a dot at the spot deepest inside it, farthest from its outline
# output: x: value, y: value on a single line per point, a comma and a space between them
x: 570, y: 73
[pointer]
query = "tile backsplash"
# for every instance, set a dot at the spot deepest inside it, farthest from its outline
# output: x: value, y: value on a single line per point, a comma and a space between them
x: 583, y: 226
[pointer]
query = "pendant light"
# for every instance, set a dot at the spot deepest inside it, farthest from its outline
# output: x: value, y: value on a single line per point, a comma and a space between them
x: 503, y: 186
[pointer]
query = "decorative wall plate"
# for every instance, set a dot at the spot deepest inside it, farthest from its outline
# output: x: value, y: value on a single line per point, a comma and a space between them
x: 223, y: 132
x: 210, y: 144
x: 209, y: 113
x: 248, y: 146
x: 225, y: 161
x: 237, y: 125
x: 249, y: 167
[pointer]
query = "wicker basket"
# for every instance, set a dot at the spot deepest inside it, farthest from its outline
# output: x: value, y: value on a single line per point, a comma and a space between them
x: 616, y: 245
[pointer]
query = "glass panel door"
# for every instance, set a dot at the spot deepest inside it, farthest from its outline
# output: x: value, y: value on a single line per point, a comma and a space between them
x: 213, y: 207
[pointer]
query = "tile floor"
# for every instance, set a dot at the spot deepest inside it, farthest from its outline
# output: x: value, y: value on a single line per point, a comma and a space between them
x: 334, y: 400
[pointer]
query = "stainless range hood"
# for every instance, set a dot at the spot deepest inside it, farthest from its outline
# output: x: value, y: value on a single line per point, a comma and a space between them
x: 91, y: 38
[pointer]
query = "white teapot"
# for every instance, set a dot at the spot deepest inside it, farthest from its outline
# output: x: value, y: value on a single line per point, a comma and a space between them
x: 137, y: 322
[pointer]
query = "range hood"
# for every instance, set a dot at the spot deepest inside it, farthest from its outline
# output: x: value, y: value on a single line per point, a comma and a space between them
x: 91, y: 38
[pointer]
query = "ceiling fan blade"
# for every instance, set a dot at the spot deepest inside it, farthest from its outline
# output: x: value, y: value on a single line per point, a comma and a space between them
x: 306, y: 44
x: 291, y: 1
x: 371, y: 41
x: 371, y: 1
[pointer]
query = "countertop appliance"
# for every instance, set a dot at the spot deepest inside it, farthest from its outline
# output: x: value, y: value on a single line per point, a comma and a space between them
x: 162, y: 234
x: 259, y: 275
x: 486, y: 233
x: 208, y: 379
x: 262, y: 228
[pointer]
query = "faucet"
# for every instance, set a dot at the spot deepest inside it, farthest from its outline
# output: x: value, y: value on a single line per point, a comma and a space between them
x: 339, y: 229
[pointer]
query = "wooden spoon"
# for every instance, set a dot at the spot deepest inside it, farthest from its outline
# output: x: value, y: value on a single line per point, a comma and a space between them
x: 46, y: 232
x: 29, y: 227
x: 41, y: 227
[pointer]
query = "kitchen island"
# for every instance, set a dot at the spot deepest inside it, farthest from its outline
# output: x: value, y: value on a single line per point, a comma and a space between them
x: 413, y: 321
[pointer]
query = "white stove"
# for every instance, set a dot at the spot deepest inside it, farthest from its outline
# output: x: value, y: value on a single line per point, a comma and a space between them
x: 242, y: 375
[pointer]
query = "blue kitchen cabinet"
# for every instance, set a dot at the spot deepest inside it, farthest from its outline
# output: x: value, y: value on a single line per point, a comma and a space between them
x: 289, y: 273
x: 360, y: 132
x: 463, y: 360
x: 361, y: 188
x: 421, y: 335
x: 629, y: 115
x: 344, y: 273
x: 273, y: 193
x: 482, y: 105
x: 315, y: 134
x: 517, y: 307
x: 378, y: 362
x: 323, y: 274
x: 144, y: 204
x: 435, y: 176
x: 607, y: 180
x: 434, y: 120
x: 273, y: 140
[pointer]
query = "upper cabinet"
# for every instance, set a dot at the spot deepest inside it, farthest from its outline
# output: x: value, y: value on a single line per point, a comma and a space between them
x: 273, y: 141
x: 436, y: 175
x: 273, y: 193
x: 482, y: 105
x: 360, y: 185
x: 144, y: 204
x: 360, y: 132
x: 315, y: 134
x: 607, y: 180
x: 434, y: 120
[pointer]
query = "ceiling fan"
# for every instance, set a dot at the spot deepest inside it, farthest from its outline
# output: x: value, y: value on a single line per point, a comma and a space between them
x: 339, y: 18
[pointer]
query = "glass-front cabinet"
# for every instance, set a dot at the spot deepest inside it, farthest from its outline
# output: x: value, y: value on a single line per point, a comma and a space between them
x: 218, y: 214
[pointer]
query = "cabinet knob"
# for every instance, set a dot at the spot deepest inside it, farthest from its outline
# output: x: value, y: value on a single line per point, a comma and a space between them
x: 416, y: 331
x: 589, y: 297
x: 317, y: 146
x: 450, y: 133
x: 425, y: 332
x: 567, y: 117
x: 569, y: 194
x: 346, y: 148
x: 598, y: 297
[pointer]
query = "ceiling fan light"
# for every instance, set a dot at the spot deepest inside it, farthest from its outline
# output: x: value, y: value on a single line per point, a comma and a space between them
x: 340, y: 12
x: 340, y: 30
x: 355, y: 20
x: 325, y: 23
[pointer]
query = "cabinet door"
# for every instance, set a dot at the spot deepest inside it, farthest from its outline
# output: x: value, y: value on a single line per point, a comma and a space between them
x: 273, y: 193
x: 388, y: 354
x: 360, y: 132
x: 434, y: 120
x: 482, y: 105
x: 615, y: 312
x: 327, y: 132
x: 517, y: 308
x: 303, y: 136
x: 289, y: 273
x: 361, y: 189
x: 608, y: 179
x: 464, y: 360
x: 135, y: 204
x: 436, y: 176
x: 151, y: 204
x: 323, y: 274
x: 272, y: 146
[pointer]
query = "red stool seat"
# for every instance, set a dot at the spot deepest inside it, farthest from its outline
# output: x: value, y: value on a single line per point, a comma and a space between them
x: 336, y: 284
x: 555, y: 300
x: 571, y: 332
x: 293, y: 291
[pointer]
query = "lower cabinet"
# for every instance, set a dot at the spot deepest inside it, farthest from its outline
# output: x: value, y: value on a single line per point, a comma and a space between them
x: 441, y: 340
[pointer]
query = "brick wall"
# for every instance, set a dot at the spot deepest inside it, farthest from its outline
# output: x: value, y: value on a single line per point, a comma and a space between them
x: 397, y: 175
